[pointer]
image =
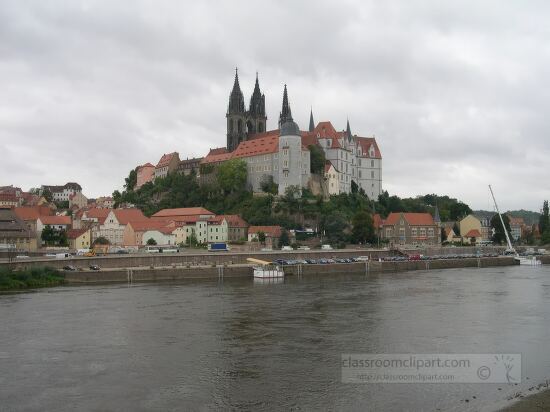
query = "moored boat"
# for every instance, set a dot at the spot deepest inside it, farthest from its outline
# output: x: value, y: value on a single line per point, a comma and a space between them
x: 266, y: 270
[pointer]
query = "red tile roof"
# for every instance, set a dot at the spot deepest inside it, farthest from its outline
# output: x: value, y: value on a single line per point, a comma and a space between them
x: 55, y: 220
x: 9, y: 197
x: 183, y: 211
x: 124, y: 216
x: 32, y: 212
x: 146, y: 165
x: 473, y: 233
x: 235, y: 221
x: 97, y: 213
x: 150, y: 224
x: 413, y: 219
x: 165, y: 159
x: 271, y: 231
x: 366, y: 143
x: 216, y: 156
x: 257, y: 146
x: 76, y: 233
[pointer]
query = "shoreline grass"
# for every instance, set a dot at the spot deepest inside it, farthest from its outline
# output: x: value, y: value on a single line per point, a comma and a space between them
x: 36, y: 277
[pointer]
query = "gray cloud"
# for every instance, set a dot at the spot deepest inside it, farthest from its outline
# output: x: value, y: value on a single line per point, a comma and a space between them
x: 456, y: 94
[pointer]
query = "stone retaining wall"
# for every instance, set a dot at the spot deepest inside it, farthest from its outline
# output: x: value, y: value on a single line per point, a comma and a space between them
x: 181, y: 273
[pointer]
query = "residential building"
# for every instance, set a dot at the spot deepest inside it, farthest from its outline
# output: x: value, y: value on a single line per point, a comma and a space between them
x: 188, y: 166
x: 55, y: 222
x: 517, y: 225
x: 61, y: 193
x: 168, y: 163
x: 162, y: 236
x: 332, y: 178
x: 485, y: 221
x: 134, y: 231
x: 467, y: 225
x: 411, y: 229
x: 9, y: 200
x: 237, y: 228
x: 78, y: 199
x: 79, y: 238
x: 15, y: 232
x: 272, y: 234
x: 105, y: 202
x: 473, y: 236
x: 182, y: 213
x: 11, y: 196
x: 145, y: 173
x: 114, y: 224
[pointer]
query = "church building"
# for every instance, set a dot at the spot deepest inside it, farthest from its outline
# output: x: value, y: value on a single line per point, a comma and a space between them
x: 282, y: 156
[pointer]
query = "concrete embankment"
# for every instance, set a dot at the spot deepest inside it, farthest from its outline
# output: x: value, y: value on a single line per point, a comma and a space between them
x: 231, y: 271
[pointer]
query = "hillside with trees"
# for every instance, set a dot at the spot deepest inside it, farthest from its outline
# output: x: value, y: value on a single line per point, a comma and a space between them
x: 342, y: 218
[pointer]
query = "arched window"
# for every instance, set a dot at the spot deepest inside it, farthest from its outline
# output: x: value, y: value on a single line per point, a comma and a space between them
x: 261, y: 127
x: 231, y: 126
x: 240, y: 126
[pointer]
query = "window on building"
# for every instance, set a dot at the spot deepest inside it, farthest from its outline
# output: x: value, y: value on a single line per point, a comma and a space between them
x: 372, y: 163
x: 372, y: 174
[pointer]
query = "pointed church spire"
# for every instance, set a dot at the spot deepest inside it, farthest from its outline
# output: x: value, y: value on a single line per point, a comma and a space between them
x: 257, y: 100
x: 236, y: 98
x: 437, y: 218
x: 348, y: 132
x: 286, y: 114
x: 287, y: 126
x: 311, y: 122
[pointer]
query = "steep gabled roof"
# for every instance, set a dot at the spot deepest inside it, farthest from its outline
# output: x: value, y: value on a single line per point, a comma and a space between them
x: 183, y: 211
x: 473, y: 233
x: 166, y: 159
x: 216, y: 155
x: 413, y: 219
x: 97, y: 213
x: 55, y: 220
x: 366, y: 143
x: 76, y: 233
x: 124, y: 216
x: 257, y: 146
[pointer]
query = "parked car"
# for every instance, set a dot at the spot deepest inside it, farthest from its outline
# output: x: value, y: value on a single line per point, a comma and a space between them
x: 287, y: 248
x: 362, y: 259
x: 94, y: 267
x: 326, y: 247
x: 70, y: 268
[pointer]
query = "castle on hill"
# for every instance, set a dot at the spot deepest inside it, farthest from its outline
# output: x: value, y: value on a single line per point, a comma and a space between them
x: 282, y: 155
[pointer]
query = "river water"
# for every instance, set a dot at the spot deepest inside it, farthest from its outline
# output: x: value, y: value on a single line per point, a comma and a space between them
x: 203, y: 345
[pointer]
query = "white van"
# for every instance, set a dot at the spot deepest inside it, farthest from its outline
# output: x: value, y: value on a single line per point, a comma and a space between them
x: 326, y: 247
x: 287, y: 248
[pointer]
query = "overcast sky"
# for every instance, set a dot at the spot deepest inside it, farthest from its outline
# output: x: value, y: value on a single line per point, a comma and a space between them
x: 456, y: 93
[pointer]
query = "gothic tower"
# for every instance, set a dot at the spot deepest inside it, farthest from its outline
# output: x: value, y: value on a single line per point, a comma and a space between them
x: 236, y: 116
x: 256, y: 119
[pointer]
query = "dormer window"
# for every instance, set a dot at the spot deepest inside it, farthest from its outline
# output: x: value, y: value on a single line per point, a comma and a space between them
x: 329, y: 142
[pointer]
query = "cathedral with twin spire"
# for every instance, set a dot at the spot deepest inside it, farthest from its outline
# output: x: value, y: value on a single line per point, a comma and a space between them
x: 282, y: 156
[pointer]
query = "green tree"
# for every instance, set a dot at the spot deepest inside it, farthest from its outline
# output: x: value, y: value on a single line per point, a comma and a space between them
x: 231, y: 175
x: 131, y: 181
x: 151, y: 242
x: 317, y: 159
x: 284, y: 239
x: 335, y: 225
x: 101, y: 240
x: 354, y: 187
x: 192, y: 240
x: 458, y: 210
x: 456, y: 229
x: 268, y: 185
x: 498, y: 231
x: 62, y: 238
x: 48, y: 235
x: 261, y: 237
x: 47, y: 194
x: 363, y: 227
x: 544, y: 220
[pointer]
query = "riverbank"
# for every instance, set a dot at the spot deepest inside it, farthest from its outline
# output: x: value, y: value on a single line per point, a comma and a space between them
x: 39, y: 277
x: 177, y: 272
x: 536, y: 402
